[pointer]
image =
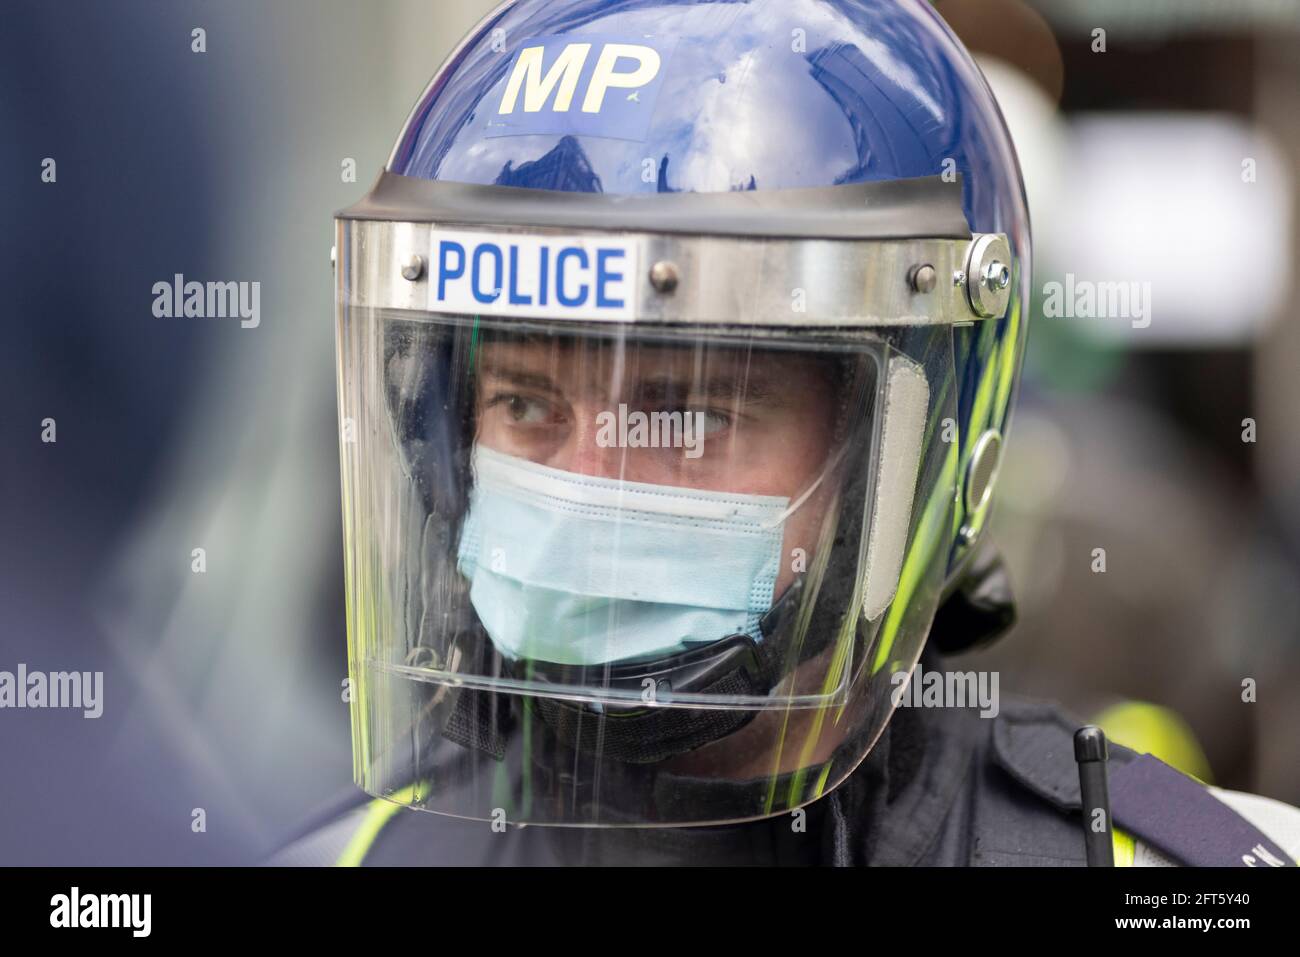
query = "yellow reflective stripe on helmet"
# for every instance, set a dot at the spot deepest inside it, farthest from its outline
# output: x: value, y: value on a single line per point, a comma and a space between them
x: 1125, y: 847
x: 379, y: 813
x: 1007, y: 360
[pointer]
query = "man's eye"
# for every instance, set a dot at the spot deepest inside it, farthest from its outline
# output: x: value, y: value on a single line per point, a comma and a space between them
x: 708, y: 421
x: 522, y: 410
x: 714, y: 421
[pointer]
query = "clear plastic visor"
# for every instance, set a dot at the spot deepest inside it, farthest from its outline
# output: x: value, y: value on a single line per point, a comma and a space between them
x: 651, y: 547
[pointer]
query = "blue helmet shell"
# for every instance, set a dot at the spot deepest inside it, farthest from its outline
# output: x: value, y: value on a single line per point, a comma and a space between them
x: 752, y: 95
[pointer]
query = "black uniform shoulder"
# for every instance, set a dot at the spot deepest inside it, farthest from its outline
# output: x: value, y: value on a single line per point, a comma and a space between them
x: 1024, y: 807
x: 1021, y: 803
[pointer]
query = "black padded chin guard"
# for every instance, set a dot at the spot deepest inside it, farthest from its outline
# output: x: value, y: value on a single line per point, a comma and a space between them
x: 643, y: 732
x: 692, y: 670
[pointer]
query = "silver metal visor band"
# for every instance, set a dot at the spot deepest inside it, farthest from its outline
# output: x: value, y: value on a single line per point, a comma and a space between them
x: 781, y: 273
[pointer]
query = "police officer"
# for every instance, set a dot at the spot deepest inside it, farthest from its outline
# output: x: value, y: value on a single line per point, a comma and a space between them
x: 676, y: 348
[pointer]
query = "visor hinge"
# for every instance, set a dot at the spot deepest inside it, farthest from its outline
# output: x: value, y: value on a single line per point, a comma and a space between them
x: 987, y: 278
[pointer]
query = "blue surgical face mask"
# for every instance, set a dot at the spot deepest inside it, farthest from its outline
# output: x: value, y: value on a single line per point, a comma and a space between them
x: 582, y: 570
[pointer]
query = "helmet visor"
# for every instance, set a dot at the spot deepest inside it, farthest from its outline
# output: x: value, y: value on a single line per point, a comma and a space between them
x: 605, y: 574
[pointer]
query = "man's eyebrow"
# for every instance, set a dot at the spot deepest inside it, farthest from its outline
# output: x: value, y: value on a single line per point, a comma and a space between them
x: 523, y: 378
x: 749, y: 388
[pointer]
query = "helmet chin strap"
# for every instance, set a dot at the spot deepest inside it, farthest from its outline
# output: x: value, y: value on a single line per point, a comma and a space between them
x: 981, y: 607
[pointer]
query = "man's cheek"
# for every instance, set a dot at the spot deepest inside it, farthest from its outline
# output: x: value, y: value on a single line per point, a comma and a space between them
x: 797, y: 547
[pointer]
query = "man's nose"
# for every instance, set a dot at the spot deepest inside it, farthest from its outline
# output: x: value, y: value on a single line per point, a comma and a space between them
x: 592, y: 447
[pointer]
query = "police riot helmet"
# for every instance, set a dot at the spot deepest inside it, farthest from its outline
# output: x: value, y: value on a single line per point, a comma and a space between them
x: 676, y: 343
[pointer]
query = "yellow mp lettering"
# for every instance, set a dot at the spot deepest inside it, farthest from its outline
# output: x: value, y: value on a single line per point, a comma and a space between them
x: 564, y: 72
x: 605, y: 78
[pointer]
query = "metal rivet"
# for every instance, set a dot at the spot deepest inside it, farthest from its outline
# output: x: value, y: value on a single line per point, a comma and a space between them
x: 923, y: 278
x: 663, y: 276
x: 413, y: 268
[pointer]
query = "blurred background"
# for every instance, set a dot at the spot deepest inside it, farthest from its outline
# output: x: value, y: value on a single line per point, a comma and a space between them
x: 1164, y: 149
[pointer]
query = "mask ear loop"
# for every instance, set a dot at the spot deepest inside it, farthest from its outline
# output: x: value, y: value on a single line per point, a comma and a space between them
x: 830, y: 466
x: 814, y: 576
